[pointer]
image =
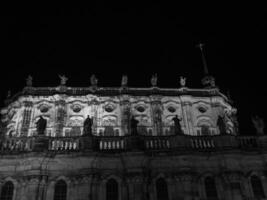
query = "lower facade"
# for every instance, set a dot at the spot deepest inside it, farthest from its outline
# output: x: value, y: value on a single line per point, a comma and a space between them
x: 134, y: 176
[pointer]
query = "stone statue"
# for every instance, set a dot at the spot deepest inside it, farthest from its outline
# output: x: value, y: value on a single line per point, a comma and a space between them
x: 154, y: 80
x: 221, y: 125
x: 87, y: 126
x: 124, y: 81
x: 29, y: 81
x: 182, y: 81
x: 8, y: 94
x: 41, y: 126
x: 93, y: 80
x: 134, y: 124
x: 63, y: 79
x: 177, y: 126
x: 209, y: 81
x: 258, y: 124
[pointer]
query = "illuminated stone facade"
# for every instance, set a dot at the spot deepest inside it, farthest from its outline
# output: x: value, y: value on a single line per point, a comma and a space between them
x: 201, y: 163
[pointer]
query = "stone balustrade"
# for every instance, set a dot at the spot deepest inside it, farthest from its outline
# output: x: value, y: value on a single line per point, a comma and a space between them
x: 129, y: 143
x: 203, y: 142
x: 162, y: 142
x: 64, y: 144
x: 111, y: 143
x: 16, y: 144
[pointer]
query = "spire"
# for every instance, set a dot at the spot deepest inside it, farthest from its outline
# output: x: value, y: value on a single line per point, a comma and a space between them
x: 206, y: 70
x: 208, y: 80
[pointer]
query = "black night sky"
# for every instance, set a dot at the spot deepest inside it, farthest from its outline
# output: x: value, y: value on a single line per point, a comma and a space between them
x: 110, y: 40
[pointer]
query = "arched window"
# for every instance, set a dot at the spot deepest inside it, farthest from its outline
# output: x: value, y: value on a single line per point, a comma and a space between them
x: 112, y: 190
x: 7, y: 191
x: 210, y: 187
x: 162, y: 189
x: 257, y: 187
x: 60, y: 190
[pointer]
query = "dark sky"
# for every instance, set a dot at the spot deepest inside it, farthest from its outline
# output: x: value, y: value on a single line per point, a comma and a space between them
x: 138, y: 40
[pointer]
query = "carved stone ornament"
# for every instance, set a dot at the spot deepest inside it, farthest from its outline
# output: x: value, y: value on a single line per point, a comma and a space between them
x: 76, y: 108
x: 109, y: 107
x: 44, y: 108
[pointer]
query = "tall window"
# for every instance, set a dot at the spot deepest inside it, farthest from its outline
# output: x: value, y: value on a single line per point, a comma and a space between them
x: 112, y: 190
x: 162, y: 189
x: 210, y: 187
x: 7, y: 191
x: 60, y: 190
x: 257, y: 187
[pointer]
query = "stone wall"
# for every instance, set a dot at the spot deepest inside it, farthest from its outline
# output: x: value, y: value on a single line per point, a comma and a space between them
x: 136, y: 174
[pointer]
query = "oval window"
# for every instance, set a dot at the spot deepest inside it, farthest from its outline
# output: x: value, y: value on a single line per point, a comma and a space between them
x: 202, y: 109
x: 44, y: 109
x: 171, y: 109
x: 109, y: 108
x: 76, y: 109
x: 140, y: 109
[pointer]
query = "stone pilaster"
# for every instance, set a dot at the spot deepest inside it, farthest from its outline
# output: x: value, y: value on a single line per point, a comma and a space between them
x: 234, y: 189
x: 50, y: 190
x: 156, y: 115
x: 32, y: 188
x: 125, y: 116
x: 171, y: 183
x: 26, y: 118
x: 186, y: 182
x: 185, y: 121
x: 60, y: 117
x: 95, y: 115
x: 42, y: 188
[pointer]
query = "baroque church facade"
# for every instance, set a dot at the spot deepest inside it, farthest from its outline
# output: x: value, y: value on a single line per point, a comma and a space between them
x: 184, y: 145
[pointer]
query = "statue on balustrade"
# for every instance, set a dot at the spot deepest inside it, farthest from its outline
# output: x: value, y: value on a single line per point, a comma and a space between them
x: 41, y: 126
x: 63, y: 79
x: 154, y: 80
x: 93, y: 81
x: 87, y: 126
x: 177, y: 126
x: 221, y: 125
x: 258, y: 124
x: 124, y: 81
x: 29, y: 81
x: 134, y: 124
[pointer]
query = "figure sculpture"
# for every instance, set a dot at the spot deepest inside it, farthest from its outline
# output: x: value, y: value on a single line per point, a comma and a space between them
x: 177, y: 126
x: 258, y: 124
x: 41, y: 126
x: 93, y: 80
x: 182, y: 81
x: 124, y: 81
x: 87, y: 126
x: 154, y: 80
x: 29, y: 81
x: 63, y: 79
x: 8, y: 94
x: 134, y: 124
x: 221, y: 125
